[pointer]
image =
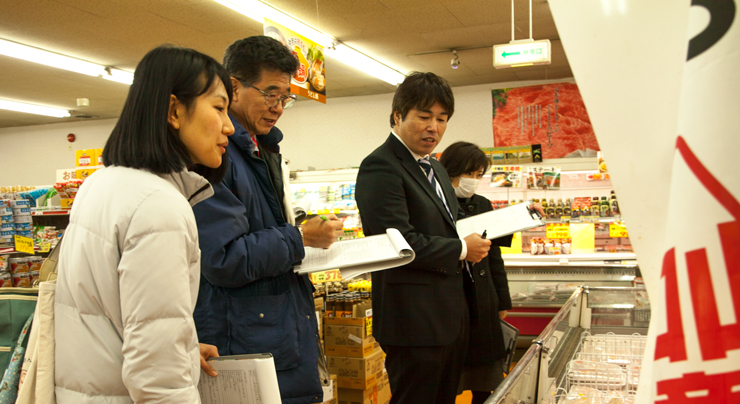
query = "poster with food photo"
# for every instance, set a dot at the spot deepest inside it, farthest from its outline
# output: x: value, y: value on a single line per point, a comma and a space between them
x: 552, y: 115
x: 543, y: 177
x: 310, y: 79
x: 506, y: 176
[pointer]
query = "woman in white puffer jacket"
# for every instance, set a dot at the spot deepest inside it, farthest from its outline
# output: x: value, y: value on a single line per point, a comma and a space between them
x: 129, y: 267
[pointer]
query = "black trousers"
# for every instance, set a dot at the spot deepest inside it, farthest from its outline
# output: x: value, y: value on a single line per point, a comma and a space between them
x: 426, y: 374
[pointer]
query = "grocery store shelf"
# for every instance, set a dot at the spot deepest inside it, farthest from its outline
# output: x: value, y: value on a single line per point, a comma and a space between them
x: 64, y: 212
x: 334, y: 211
x: 11, y: 250
x: 568, y: 259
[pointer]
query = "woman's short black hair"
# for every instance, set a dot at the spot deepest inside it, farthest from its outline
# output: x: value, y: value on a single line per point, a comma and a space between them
x: 464, y: 158
x: 246, y: 58
x: 142, y: 137
x: 422, y: 91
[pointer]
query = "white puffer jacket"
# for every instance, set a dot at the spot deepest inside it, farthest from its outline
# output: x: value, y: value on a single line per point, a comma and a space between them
x: 129, y: 271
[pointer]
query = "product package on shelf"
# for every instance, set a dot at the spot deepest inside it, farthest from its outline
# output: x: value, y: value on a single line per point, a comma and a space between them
x: 543, y: 177
x: 506, y: 176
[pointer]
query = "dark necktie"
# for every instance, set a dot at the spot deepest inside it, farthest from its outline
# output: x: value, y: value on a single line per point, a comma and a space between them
x: 426, y: 165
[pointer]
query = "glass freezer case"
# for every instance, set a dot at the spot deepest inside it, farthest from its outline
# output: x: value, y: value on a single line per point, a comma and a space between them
x: 591, y: 352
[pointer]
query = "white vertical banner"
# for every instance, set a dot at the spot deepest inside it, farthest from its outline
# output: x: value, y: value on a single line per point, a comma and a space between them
x: 660, y: 80
x: 697, y: 355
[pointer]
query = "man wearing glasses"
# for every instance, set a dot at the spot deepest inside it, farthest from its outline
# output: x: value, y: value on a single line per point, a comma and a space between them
x: 250, y: 300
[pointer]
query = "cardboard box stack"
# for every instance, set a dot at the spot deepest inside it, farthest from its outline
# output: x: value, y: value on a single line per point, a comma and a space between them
x: 356, y: 358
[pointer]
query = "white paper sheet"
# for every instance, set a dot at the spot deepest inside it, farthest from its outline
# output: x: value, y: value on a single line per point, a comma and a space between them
x: 500, y: 222
x: 358, y: 256
x: 242, y: 379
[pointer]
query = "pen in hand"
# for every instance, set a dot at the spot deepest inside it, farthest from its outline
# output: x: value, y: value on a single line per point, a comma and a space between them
x: 483, y: 236
x: 324, y: 218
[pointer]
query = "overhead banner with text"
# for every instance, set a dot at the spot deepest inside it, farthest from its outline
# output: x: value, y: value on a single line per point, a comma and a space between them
x: 310, y: 79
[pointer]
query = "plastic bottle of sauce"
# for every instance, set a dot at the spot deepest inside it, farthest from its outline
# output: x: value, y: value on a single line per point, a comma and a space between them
x: 605, y: 207
x: 550, y: 212
x: 615, y: 204
x: 559, y: 209
x: 567, y: 211
x: 595, y: 209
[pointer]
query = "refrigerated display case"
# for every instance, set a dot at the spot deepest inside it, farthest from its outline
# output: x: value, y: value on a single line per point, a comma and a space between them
x: 540, y: 285
x: 591, y: 352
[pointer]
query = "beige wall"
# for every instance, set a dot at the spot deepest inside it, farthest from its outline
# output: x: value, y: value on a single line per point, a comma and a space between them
x: 336, y: 135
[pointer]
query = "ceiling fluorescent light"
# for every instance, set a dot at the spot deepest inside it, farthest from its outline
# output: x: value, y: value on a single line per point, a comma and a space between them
x: 362, y: 62
x: 119, y: 76
x: 40, y: 56
x: 33, y: 109
x: 260, y: 11
x: 43, y: 57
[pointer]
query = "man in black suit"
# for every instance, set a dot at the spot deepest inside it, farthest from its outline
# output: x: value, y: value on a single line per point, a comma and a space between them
x: 420, y: 314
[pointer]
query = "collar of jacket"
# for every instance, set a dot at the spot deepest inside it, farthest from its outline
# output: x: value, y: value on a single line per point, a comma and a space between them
x: 243, y: 139
x: 192, y: 186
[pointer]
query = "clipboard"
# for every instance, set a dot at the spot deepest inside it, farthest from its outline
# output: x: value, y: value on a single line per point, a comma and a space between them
x: 511, y: 334
x: 501, y: 222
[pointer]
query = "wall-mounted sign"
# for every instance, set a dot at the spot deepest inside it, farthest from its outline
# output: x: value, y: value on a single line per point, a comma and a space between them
x: 522, y: 53
x: 310, y: 79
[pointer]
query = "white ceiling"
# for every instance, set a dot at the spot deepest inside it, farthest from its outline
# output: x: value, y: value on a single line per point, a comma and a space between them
x: 119, y: 32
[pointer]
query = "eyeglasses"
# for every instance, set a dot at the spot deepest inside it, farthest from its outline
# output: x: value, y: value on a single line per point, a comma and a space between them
x: 272, y: 99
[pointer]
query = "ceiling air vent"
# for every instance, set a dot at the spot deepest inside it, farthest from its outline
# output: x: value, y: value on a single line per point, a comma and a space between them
x: 84, y: 116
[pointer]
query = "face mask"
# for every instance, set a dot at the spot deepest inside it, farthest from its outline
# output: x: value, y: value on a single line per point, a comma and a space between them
x: 467, y: 187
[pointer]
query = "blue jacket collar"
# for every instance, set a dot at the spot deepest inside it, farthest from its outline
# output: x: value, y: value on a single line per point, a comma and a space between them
x: 242, y: 138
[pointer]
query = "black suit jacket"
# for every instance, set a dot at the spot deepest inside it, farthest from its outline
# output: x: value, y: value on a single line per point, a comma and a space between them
x: 422, y: 303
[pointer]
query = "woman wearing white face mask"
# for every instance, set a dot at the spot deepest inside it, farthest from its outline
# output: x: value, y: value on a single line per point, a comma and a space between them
x: 488, y: 296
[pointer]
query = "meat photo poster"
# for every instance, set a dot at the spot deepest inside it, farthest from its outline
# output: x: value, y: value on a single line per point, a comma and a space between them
x: 552, y: 115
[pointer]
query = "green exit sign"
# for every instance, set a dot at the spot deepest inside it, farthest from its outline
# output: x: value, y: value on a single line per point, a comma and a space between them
x: 522, y: 53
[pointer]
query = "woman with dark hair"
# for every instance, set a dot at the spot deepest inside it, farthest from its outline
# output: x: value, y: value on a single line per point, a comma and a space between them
x: 129, y: 267
x: 488, y: 296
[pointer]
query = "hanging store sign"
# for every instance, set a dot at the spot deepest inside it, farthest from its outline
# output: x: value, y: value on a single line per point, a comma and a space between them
x: 310, y: 79
x: 522, y: 53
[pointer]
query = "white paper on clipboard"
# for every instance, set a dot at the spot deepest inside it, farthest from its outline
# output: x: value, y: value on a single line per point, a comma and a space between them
x: 358, y: 256
x: 501, y: 222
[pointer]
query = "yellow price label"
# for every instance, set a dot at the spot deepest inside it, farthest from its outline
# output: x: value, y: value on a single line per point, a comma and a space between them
x: 24, y: 244
x: 336, y: 211
x: 558, y: 230
x: 369, y: 325
x: 617, y: 229
x: 326, y: 276
x: 45, y: 247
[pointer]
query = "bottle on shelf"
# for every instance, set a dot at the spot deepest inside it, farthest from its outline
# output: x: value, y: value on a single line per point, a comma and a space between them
x: 559, y: 209
x: 567, y: 210
x: 595, y: 208
x: 605, y: 207
x: 544, y: 205
x: 550, y: 212
x: 615, y: 204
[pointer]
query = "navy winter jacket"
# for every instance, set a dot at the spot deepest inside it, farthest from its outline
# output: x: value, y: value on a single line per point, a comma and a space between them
x: 250, y: 300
